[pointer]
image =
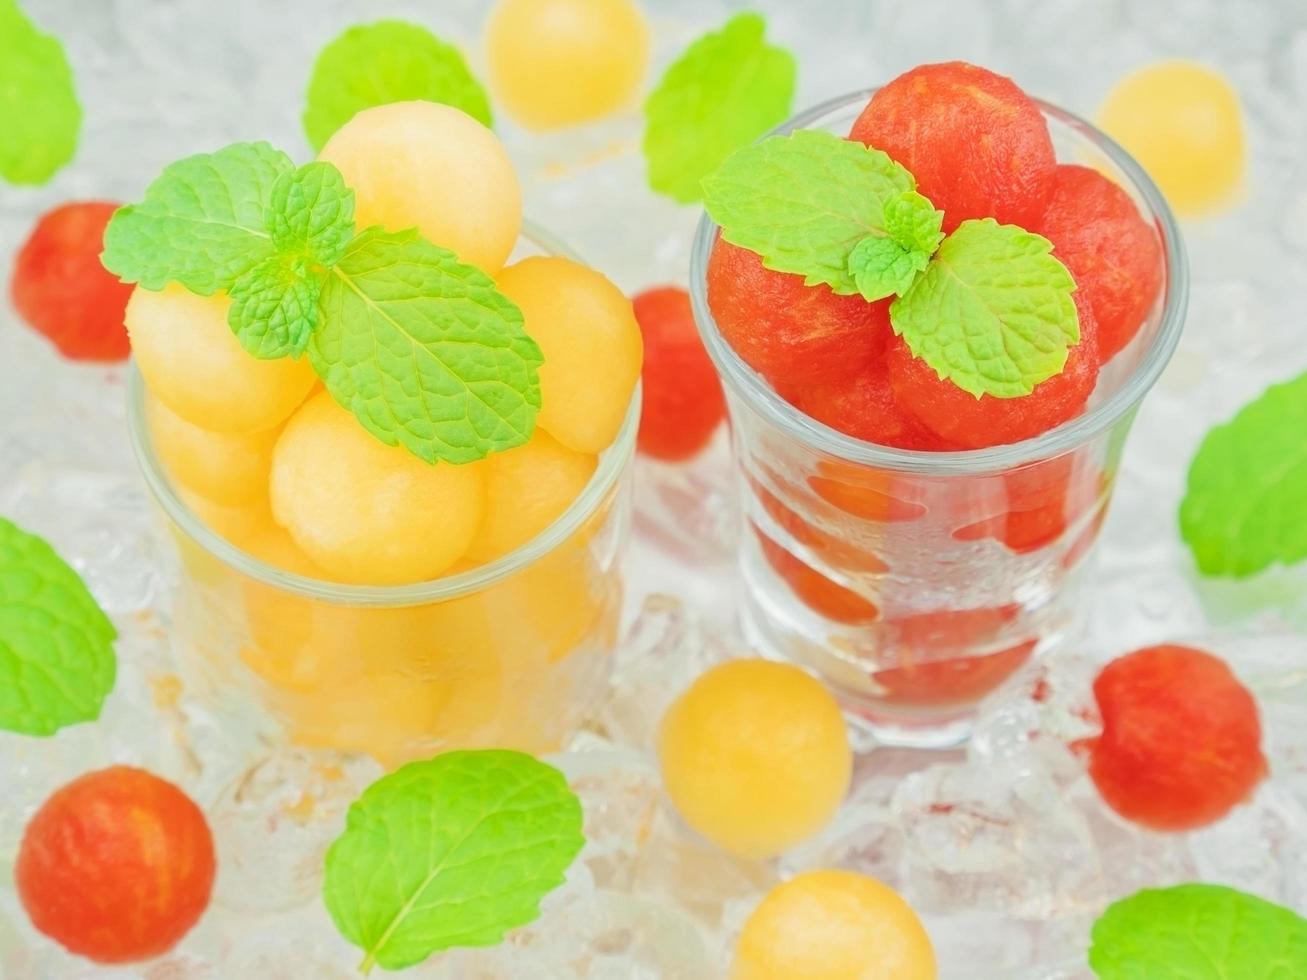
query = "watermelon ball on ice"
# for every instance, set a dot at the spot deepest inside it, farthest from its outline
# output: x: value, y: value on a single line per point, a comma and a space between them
x: 1181, y: 740
x: 117, y: 866
x: 788, y: 332
x: 1113, y: 254
x: 963, y: 420
x: 978, y: 145
x: 62, y: 290
x: 682, y: 401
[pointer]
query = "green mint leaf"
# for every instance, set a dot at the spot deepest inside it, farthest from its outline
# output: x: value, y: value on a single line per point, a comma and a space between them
x: 425, y: 351
x: 274, y: 307
x: 1198, y: 932
x: 727, y: 89
x: 884, y: 266
x: 1246, y: 503
x: 389, y: 61
x: 311, y: 213
x: 993, y: 311
x: 39, y: 113
x: 804, y: 201
x: 912, y: 222
x: 202, y: 223
x: 454, y: 851
x: 57, y: 663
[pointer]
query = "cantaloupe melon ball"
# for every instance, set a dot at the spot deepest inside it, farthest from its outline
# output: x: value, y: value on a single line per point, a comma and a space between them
x: 592, y: 346
x: 527, y: 489
x: 226, y: 468
x: 367, y: 512
x: 559, y: 62
x: 433, y: 167
x: 192, y: 362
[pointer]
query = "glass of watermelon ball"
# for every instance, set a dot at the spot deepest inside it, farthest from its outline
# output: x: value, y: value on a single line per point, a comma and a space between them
x: 914, y: 542
x: 349, y: 593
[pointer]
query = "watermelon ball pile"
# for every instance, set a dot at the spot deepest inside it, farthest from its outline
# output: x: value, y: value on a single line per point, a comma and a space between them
x: 60, y: 288
x: 1181, y: 739
x: 979, y: 147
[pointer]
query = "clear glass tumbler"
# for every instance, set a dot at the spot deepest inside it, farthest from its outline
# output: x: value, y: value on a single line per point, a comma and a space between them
x: 918, y: 582
x: 512, y: 653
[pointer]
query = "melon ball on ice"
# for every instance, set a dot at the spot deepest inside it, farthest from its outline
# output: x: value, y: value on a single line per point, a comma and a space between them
x: 433, y: 167
x: 555, y: 63
x: 592, y: 346
x: 194, y: 365
x: 367, y: 512
x: 527, y: 489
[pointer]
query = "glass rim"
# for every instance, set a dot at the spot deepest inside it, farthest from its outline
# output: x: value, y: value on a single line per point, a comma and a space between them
x: 612, y: 462
x: 750, y: 385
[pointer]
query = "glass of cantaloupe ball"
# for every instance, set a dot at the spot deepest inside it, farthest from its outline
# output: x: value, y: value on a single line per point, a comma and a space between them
x: 380, y: 603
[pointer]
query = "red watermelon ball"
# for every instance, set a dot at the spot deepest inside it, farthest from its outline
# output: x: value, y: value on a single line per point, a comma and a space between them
x: 117, y: 866
x: 60, y: 288
x: 1181, y: 741
x: 961, y: 419
x: 863, y: 407
x: 788, y: 332
x: 682, y: 401
x: 978, y: 145
x: 1114, y: 255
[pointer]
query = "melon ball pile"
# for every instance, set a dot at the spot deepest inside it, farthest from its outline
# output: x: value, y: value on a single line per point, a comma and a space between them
x: 258, y: 445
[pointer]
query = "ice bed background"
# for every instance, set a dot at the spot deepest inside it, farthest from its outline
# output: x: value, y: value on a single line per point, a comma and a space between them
x: 1002, y: 847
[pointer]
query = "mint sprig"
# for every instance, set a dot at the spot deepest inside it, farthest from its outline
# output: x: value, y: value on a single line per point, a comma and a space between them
x: 450, y: 852
x: 425, y: 351
x: 1245, y: 506
x: 725, y: 90
x: 389, y: 61
x: 1199, y: 932
x: 57, y: 662
x: 988, y: 307
x: 40, y: 117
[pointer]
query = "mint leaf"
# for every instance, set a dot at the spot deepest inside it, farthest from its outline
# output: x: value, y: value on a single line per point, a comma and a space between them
x: 425, y: 351
x: 1198, y: 932
x: 727, y: 89
x: 913, y: 223
x: 804, y: 201
x: 884, y: 266
x: 1246, y: 503
x: 39, y: 113
x: 389, y: 61
x: 202, y: 223
x: 454, y: 851
x: 311, y: 213
x: 993, y: 311
x: 274, y: 307
x: 57, y: 662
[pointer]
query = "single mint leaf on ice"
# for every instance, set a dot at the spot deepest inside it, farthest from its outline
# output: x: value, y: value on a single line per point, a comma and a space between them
x: 40, y: 116
x: 311, y: 214
x: 1198, y: 932
x: 727, y: 89
x: 992, y: 312
x: 803, y: 202
x: 389, y: 61
x: 425, y: 351
x: 450, y: 852
x: 203, y: 222
x: 57, y: 661
x: 274, y: 306
x: 1246, y: 503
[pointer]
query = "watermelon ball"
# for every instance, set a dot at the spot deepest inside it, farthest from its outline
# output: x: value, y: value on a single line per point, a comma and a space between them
x: 978, y: 145
x: 863, y: 407
x: 1114, y: 255
x: 1181, y: 740
x: 62, y: 290
x: 961, y: 419
x: 788, y: 332
x: 117, y: 866
x: 682, y: 402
